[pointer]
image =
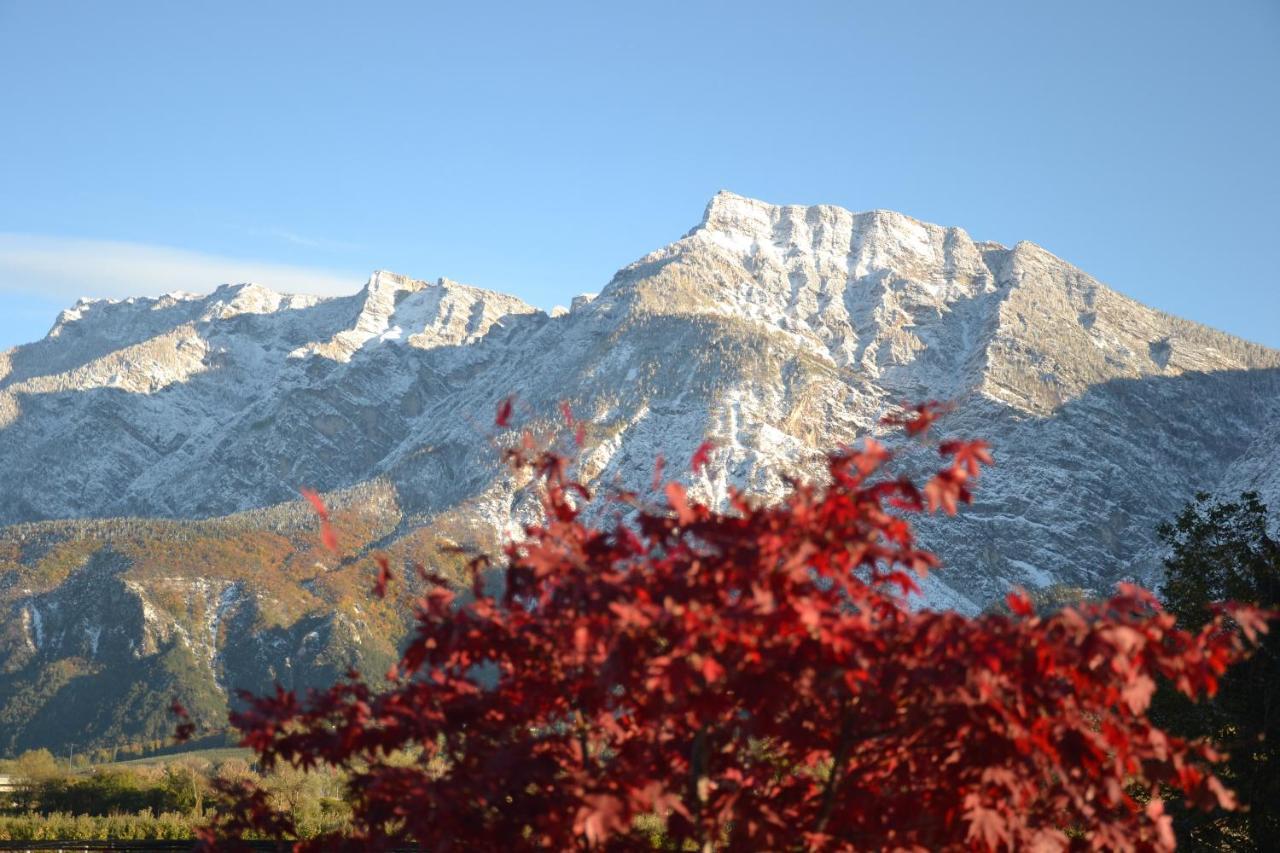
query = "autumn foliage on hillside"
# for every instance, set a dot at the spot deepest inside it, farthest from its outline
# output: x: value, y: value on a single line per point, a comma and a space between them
x: 752, y: 680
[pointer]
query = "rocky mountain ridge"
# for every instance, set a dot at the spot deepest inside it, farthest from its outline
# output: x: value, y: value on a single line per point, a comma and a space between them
x: 778, y: 332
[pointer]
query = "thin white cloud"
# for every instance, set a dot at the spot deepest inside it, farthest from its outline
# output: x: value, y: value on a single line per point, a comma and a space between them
x: 67, y: 268
x: 306, y: 242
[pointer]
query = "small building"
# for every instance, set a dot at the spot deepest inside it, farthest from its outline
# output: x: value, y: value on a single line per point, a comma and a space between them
x: 8, y: 783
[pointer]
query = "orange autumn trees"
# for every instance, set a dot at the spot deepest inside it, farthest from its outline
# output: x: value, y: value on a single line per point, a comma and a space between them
x: 752, y: 679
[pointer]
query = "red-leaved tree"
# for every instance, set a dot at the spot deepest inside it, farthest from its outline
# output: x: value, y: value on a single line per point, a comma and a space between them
x: 752, y: 680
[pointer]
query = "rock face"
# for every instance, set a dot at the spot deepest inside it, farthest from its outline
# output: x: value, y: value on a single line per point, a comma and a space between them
x: 778, y: 332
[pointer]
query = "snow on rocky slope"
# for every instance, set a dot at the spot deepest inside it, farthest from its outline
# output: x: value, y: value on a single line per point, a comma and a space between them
x: 777, y: 331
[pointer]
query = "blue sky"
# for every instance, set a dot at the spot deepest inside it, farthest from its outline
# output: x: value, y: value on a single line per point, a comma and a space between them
x: 537, y: 147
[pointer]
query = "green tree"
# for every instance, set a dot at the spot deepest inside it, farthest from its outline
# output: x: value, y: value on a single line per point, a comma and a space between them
x: 185, y: 784
x: 1222, y: 551
x: 33, y: 770
x: 35, y: 765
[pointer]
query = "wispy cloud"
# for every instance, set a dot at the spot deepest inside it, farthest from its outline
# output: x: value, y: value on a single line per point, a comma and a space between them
x: 306, y: 242
x: 68, y: 268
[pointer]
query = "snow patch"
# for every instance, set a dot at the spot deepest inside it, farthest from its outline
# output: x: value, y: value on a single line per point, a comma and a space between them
x: 1036, y: 575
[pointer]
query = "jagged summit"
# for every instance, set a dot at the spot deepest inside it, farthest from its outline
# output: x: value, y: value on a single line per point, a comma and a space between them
x: 378, y: 305
x: 729, y: 211
x: 397, y: 308
x: 738, y: 216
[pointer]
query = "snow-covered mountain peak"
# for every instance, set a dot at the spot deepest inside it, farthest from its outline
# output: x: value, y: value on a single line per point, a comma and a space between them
x: 727, y: 210
x: 83, y: 307
x: 232, y: 300
x: 127, y: 318
x: 876, y: 239
x: 924, y: 306
x: 398, y: 308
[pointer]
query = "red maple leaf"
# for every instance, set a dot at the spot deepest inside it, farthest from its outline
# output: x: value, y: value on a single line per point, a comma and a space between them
x: 185, y: 728
x: 701, y: 455
x: 327, y: 537
x: 503, y: 417
x: 968, y: 455
x: 918, y: 419
x: 384, y: 575
x: 1020, y: 604
x: 946, y: 490
x: 659, y: 465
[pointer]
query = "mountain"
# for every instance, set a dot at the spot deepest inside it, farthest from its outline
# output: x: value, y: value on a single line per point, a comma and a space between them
x: 154, y: 447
